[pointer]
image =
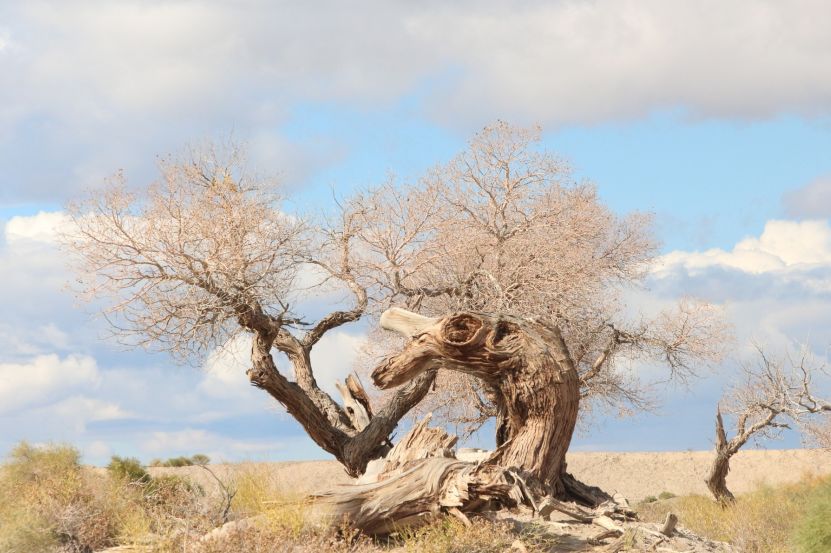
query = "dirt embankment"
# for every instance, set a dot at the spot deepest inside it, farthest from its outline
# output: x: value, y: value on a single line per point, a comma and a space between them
x: 635, y: 475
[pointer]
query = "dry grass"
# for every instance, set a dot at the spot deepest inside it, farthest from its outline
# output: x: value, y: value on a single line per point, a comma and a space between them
x: 47, y: 502
x: 50, y: 504
x: 763, y: 521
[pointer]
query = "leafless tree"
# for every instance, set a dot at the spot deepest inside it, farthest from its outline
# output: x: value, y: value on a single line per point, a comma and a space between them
x: 206, y: 251
x: 500, y: 238
x: 772, y: 395
x: 502, y: 228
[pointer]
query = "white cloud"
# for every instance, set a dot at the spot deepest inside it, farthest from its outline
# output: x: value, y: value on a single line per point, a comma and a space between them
x: 42, y: 227
x: 225, y: 381
x: 563, y: 61
x: 77, y: 411
x: 99, y: 449
x: 216, y: 446
x: 101, y: 85
x: 782, y: 246
x: 334, y: 357
x: 776, y: 287
x: 43, y: 379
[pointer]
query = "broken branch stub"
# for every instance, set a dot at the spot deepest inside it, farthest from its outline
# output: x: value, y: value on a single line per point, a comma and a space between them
x: 404, y: 322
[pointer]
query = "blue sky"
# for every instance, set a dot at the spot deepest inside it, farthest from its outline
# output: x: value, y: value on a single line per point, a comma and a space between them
x: 715, y: 117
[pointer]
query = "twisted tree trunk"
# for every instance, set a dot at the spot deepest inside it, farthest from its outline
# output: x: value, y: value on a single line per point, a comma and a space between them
x: 717, y: 476
x: 528, y: 366
x: 534, y: 382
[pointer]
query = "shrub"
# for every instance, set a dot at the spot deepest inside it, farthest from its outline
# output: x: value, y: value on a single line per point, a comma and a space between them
x: 182, y: 461
x: 200, y: 459
x: 178, y: 462
x: 47, y: 502
x: 813, y: 533
x: 650, y: 499
x: 128, y: 469
x: 666, y: 495
x: 762, y: 521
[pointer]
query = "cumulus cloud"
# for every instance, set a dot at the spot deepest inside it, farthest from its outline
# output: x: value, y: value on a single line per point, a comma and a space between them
x: 45, y: 227
x: 783, y: 245
x: 334, y: 358
x: 777, y: 286
x: 138, y: 78
x: 44, y: 378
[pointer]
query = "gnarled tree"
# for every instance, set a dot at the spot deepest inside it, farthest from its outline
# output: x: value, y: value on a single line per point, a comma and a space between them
x: 498, y: 243
x: 772, y: 395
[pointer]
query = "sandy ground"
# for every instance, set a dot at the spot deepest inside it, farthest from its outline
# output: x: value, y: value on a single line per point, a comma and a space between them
x: 635, y: 475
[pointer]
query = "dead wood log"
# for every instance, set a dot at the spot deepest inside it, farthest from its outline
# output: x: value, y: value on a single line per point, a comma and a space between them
x: 419, y: 443
x: 418, y: 494
x: 420, y: 479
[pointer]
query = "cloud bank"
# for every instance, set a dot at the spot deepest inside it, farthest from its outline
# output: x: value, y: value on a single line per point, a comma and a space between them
x: 101, y: 85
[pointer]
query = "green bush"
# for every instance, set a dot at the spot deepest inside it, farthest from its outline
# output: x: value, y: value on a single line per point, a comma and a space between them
x: 200, y: 459
x: 666, y: 495
x: 813, y: 533
x: 128, y: 469
x: 649, y: 499
x: 182, y: 461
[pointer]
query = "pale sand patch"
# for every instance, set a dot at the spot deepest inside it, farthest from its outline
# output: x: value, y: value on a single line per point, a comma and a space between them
x: 638, y: 475
x: 635, y: 475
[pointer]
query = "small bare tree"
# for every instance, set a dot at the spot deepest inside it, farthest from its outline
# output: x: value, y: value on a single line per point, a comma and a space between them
x: 772, y: 395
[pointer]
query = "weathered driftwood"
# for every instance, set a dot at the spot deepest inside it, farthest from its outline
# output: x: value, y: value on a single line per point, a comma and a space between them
x: 421, y: 442
x: 527, y: 367
x: 414, y: 496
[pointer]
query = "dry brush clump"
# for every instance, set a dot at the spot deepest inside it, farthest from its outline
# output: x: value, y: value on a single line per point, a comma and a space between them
x: 49, y: 502
x: 784, y: 519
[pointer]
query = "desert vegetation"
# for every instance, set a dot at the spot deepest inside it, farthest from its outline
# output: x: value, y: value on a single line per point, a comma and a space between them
x: 781, y: 519
x: 52, y: 503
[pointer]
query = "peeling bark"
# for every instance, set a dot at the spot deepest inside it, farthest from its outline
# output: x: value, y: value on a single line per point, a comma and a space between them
x: 526, y: 363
